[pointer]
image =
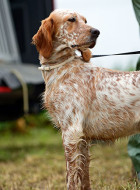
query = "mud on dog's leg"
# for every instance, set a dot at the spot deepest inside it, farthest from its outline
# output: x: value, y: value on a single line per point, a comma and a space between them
x: 77, y: 160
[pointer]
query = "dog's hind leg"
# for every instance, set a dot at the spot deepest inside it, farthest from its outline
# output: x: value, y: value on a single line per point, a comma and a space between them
x: 77, y: 160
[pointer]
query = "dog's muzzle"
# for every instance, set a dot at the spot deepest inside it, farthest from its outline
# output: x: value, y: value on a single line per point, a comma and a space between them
x: 94, y: 33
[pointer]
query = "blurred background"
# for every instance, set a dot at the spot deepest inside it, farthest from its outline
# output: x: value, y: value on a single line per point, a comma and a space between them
x: 26, y: 133
x: 20, y: 81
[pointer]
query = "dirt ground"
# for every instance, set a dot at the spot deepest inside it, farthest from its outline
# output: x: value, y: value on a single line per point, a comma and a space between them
x: 35, y: 161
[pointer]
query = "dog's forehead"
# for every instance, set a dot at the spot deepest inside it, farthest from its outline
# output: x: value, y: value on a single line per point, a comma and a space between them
x: 65, y: 13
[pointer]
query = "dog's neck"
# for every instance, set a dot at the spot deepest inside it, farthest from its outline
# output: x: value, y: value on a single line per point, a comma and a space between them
x: 60, y: 53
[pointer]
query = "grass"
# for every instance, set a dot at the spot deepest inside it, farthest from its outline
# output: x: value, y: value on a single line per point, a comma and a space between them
x: 34, y: 160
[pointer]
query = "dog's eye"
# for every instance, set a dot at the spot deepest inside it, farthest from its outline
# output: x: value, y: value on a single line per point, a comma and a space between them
x: 73, y: 19
x: 85, y: 21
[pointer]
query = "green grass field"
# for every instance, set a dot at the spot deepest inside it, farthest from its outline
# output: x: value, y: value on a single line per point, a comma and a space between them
x: 34, y: 160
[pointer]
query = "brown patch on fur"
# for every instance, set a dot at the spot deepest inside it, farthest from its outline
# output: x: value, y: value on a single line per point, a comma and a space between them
x: 86, y: 54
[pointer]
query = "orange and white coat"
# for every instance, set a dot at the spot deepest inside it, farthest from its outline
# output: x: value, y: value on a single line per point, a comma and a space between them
x: 85, y: 101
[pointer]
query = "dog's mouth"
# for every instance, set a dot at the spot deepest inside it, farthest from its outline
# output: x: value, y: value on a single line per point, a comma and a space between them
x: 89, y: 44
x: 93, y: 43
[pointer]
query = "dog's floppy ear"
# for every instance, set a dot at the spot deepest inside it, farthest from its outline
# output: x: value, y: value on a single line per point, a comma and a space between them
x: 43, y: 38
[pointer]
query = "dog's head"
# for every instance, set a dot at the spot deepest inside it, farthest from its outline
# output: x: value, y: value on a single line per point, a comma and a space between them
x: 64, y: 27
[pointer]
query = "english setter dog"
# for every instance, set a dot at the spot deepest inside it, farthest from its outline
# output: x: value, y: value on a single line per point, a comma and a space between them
x: 87, y: 102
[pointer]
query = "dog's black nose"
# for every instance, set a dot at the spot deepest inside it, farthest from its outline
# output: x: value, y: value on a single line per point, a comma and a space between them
x: 94, y: 32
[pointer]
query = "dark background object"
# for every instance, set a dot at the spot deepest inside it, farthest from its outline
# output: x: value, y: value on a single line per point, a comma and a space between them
x: 27, y: 16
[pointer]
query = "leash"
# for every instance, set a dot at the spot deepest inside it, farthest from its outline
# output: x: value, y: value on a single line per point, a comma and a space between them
x: 48, y: 67
x: 127, y: 53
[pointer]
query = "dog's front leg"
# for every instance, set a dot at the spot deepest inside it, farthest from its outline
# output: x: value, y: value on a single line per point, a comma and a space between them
x: 77, y: 160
